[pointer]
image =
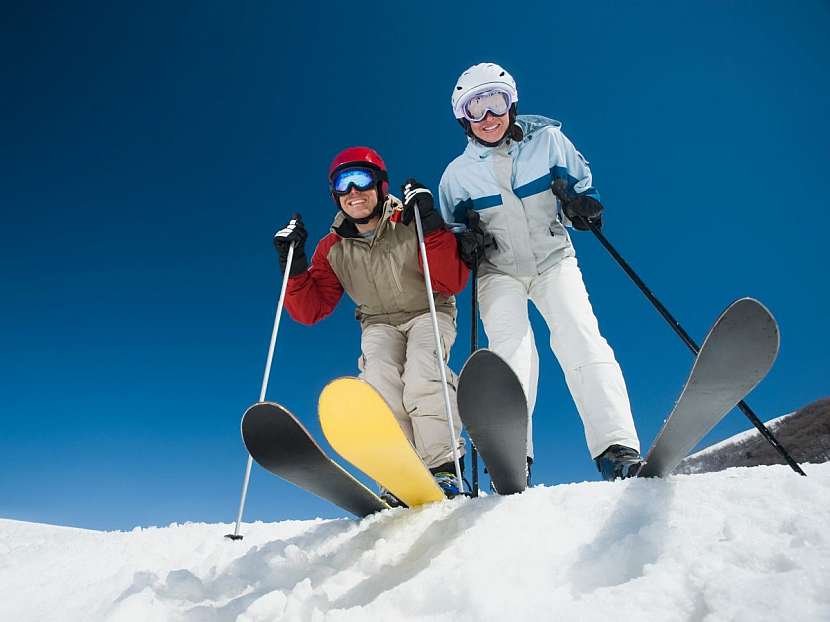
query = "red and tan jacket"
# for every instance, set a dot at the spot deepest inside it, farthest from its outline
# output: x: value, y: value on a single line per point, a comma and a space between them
x: 381, y: 274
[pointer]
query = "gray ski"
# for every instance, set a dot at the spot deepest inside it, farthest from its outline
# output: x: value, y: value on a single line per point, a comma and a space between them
x: 281, y: 444
x: 735, y: 356
x: 493, y: 409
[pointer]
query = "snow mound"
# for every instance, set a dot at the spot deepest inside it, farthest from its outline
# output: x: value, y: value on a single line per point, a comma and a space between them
x: 735, y: 545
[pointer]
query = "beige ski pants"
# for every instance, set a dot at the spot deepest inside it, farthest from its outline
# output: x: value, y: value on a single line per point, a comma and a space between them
x: 400, y: 362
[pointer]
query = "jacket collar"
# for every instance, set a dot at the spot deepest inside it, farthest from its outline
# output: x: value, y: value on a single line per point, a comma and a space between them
x: 530, y: 124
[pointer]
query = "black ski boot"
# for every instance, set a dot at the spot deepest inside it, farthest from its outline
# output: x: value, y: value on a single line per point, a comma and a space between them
x: 619, y: 462
x: 391, y: 500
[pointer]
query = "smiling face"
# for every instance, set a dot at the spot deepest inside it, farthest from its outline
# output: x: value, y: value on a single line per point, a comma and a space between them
x: 359, y: 203
x: 491, y: 129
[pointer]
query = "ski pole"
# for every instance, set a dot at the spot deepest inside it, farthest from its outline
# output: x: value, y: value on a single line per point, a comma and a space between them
x: 265, y: 376
x: 561, y: 193
x: 742, y: 405
x: 439, y: 349
x: 473, y: 348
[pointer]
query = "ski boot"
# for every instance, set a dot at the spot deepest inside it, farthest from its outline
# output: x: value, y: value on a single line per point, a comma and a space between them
x: 619, y: 462
x: 389, y: 499
x: 449, y: 484
x: 445, y: 477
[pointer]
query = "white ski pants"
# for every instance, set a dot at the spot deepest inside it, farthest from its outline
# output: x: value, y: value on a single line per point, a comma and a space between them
x: 401, y: 363
x: 591, y: 371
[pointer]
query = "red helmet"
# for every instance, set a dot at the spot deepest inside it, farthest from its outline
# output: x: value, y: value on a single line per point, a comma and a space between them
x: 361, y: 156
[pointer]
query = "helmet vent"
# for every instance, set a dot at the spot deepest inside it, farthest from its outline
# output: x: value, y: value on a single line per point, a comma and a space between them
x: 501, y: 74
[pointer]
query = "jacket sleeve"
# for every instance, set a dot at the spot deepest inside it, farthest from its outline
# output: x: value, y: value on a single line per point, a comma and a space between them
x: 314, y: 294
x: 453, y: 209
x: 569, y: 164
x: 447, y: 273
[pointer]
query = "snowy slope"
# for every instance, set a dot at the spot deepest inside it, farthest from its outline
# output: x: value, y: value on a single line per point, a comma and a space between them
x: 805, y: 434
x: 742, y: 544
x: 728, y: 444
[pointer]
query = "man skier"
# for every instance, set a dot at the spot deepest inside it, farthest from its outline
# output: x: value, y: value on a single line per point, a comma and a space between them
x: 521, y: 181
x: 372, y: 253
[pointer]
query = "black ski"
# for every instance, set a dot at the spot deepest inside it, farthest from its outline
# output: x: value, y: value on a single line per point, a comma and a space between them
x: 282, y: 445
x: 735, y: 356
x: 493, y: 408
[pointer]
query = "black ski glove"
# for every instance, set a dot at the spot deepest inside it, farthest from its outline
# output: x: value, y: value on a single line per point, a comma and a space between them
x: 473, y: 242
x: 579, y: 208
x: 294, y: 232
x: 417, y: 196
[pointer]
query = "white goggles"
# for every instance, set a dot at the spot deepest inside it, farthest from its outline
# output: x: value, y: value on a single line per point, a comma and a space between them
x: 496, y: 102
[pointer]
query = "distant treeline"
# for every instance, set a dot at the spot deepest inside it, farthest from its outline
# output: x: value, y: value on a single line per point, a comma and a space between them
x: 805, y: 434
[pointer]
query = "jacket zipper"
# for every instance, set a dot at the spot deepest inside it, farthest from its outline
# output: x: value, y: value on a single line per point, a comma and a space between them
x: 395, y: 275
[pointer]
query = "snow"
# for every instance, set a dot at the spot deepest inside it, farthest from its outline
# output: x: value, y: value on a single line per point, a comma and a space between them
x: 741, y: 544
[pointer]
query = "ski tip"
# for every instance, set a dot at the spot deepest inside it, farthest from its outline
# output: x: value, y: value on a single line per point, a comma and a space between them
x: 484, y: 353
x: 750, y: 311
x: 747, y: 302
x: 334, y: 390
x: 483, y: 356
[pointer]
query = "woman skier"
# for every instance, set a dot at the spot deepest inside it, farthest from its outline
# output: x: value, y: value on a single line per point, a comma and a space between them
x: 524, y: 182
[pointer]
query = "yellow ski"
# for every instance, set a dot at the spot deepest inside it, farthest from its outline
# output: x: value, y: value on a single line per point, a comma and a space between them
x: 360, y: 426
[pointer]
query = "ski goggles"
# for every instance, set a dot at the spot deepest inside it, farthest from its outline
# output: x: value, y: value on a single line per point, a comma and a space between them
x: 359, y: 178
x: 495, y: 101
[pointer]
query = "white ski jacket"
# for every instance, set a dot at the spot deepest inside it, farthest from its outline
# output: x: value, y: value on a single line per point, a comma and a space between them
x: 509, y: 186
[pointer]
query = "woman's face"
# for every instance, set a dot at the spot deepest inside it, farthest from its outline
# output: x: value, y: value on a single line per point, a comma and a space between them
x: 491, y: 129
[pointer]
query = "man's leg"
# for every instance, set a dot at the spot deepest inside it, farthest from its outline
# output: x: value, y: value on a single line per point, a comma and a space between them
x: 502, y: 301
x: 591, y: 370
x: 423, y: 392
x: 383, y: 352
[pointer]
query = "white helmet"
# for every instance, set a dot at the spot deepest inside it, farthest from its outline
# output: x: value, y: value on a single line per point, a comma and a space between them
x: 480, y: 78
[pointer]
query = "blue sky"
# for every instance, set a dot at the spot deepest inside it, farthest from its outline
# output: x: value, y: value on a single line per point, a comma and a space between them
x: 150, y: 151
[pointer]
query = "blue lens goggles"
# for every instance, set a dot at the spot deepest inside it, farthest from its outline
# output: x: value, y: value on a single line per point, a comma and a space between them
x: 360, y: 178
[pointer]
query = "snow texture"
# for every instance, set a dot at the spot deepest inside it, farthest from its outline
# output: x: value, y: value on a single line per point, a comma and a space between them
x: 741, y: 544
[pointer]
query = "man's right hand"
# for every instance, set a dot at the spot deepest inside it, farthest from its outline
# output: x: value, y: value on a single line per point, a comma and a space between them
x: 294, y: 232
x: 473, y: 242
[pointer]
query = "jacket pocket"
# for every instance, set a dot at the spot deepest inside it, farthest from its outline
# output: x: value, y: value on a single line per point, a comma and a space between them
x: 557, y: 229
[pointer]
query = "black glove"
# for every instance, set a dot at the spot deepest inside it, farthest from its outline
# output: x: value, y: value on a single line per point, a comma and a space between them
x: 579, y: 208
x: 473, y: 242
x: 417, y: 195
x: 294, y: 232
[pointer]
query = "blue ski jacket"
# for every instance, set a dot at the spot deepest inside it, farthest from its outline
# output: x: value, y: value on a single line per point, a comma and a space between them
x: 509, y: 186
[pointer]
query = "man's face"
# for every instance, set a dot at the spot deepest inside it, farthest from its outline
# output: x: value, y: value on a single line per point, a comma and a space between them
x: 359, y: 203
x: 491, y: 129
